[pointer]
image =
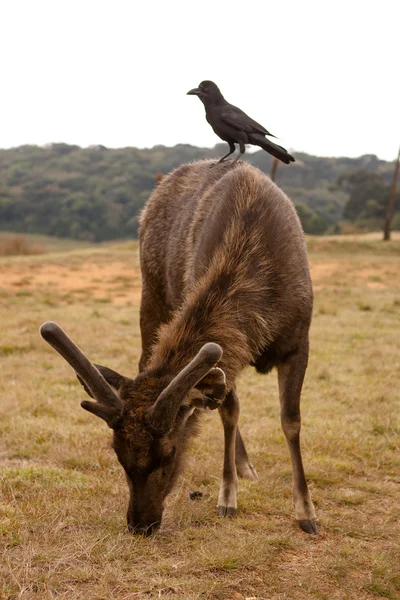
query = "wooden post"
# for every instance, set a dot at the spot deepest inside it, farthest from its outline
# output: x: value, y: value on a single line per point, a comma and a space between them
x: 274, y: 169
x: 389, y: 210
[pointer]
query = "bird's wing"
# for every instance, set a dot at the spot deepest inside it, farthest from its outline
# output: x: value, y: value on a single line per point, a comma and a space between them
x: 233, y: 116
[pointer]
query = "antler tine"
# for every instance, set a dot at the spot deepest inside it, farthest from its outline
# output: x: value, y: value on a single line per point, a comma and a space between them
x: 100, y: 389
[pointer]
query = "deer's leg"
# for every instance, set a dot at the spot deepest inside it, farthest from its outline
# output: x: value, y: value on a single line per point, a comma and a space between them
x: 229, y: 413
x: 236, y: 461
x: 244, y: 468
x: 290, y: 377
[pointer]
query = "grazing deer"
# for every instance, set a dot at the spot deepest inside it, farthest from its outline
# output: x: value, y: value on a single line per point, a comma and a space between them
x: 225, y: 284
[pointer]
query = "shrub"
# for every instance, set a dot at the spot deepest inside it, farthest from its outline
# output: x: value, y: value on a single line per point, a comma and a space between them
x: 18, y: 245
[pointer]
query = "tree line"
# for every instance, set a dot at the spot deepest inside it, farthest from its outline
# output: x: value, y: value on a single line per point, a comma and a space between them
x: 97, y: 193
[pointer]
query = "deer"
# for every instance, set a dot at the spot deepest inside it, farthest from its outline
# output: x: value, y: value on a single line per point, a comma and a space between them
x: 225, y: 284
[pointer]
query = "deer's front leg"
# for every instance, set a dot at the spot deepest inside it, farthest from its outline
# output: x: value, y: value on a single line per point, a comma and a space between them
x: 227, y: 500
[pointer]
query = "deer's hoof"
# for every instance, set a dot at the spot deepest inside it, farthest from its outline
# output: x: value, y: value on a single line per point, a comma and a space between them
x: 308, y: 525
x: 226, y: 511
x: 247, y: 471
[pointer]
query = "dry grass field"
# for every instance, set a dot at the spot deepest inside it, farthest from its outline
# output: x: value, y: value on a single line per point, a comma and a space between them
x: 23, y: 244
x: 63, y: 496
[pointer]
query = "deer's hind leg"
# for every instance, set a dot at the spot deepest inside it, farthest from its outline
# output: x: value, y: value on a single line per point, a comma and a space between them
x: 244, y: 468
x: 290, y: 377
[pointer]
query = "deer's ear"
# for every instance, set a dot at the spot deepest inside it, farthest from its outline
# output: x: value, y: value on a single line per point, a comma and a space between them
x: 209, y: 391
x: 213, y: 384
x: 163, y: 413
x: 114, y: 380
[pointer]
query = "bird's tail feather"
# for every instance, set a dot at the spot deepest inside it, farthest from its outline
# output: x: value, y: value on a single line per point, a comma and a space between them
x: 268, y: 146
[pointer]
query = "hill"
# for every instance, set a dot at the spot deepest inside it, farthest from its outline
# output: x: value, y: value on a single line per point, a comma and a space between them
x: 97, y: 193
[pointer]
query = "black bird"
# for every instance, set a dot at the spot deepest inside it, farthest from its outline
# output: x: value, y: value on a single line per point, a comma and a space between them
x: 233, y: 125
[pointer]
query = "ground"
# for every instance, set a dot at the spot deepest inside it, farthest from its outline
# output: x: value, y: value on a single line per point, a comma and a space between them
x: 63, y: 495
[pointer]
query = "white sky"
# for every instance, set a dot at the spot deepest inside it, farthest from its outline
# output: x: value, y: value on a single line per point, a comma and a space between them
x: 322, y: 75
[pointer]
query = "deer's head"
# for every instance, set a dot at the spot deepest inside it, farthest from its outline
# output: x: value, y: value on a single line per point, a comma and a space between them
x: 152, y: 417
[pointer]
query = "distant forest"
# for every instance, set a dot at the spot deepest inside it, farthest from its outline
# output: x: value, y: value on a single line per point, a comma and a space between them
x: 97, y: 193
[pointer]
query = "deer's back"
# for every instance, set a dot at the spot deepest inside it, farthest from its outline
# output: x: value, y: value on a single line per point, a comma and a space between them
x: 228, y: 227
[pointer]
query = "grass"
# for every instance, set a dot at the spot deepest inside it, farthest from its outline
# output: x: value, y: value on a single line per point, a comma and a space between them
x: 63, y: 495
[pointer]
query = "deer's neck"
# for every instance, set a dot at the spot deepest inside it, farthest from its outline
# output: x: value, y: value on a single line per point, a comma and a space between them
x: 209, y: 315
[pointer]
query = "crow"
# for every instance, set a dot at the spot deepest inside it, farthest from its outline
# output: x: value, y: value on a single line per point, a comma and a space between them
x: 233, y: 125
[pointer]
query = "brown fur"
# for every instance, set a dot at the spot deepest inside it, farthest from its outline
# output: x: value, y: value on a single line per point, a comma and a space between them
x: 224, y: 261
x: 223, y: 251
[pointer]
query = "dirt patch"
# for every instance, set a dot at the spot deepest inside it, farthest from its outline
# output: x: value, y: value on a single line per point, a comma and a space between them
x: 321, y: 270
x: 117, y: 282
x: 328, y: 275
x: 113, y: 282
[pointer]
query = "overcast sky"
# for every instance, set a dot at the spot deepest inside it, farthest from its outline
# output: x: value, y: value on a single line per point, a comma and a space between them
x: 321, y: 75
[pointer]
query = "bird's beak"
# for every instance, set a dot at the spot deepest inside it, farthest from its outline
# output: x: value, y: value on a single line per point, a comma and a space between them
x: 194, y: 92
